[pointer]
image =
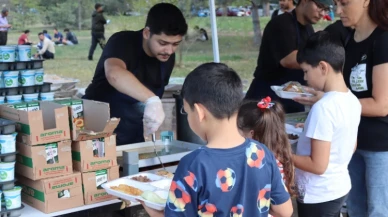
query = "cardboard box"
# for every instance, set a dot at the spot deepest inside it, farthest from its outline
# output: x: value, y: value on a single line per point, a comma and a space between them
x: 94, y: 154
x: 92, y: 181
x: 53, y: 194
x: 49, y: 124
x: 97, y: 122
x: 44, y: 161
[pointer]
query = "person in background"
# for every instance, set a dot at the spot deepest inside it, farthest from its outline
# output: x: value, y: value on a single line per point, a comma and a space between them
x: 285, y: 6
x: 58, y: 37
x: 70, y: 38
x: 276, y: 64
x: 46, y: 34
x: 48, y: 48
x: 98, y: 29
x: 264, y: 121
x: 133, y: 70
x: 231, y: 175
x: 329, y: 137
x: 23, y: 39
x: 4, y: 26
x: 331, y: 13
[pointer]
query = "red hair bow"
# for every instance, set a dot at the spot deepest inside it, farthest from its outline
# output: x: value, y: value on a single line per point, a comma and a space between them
x: 265, y: 103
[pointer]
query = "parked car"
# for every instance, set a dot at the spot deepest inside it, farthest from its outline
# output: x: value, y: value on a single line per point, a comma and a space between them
x: 232, y: 12
x: 203, y: 13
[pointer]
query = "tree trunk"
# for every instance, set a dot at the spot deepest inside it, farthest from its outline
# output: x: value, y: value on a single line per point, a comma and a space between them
x: 256, y: 24
x: 266, y: 11
x: 79, y: 15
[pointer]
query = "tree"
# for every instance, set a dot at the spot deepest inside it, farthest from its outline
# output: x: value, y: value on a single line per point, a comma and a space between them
x: 25, y: 12
x: 256, y: 24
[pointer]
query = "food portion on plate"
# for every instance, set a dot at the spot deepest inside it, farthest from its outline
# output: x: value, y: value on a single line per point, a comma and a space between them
x: 294, y: 87
x: 153, y: 197
x: 127, y: 189
x: 291, y: 90
x: 165, y: 173
x: 141, y: 178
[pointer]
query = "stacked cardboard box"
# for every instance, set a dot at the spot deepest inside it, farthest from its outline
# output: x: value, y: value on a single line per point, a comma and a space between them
x: 62, y: 136
x: 93, y: 146
x: 44, y: 164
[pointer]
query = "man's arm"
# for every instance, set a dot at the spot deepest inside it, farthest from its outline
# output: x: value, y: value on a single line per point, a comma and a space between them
x: 44, y: 48
x: 101, y: 18
x: 284, y: 41
x: 290, y: 61
x: 124, y: 81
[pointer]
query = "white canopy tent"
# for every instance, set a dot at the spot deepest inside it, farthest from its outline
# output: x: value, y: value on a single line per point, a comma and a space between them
x: 213, y: 22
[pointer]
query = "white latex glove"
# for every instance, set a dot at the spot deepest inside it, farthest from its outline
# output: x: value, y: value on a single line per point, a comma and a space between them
x: 153, y: 115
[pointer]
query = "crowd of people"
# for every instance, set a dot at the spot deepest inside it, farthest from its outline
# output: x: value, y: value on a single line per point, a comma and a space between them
x: 46, y: 44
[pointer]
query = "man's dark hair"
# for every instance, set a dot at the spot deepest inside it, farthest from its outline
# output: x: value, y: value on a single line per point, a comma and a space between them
x: 322, y: 46
x: 45, y: 31
x: 40, y: 33
x: 166, y: 18
x: 55, y: 29
x: 26, y: 31
x: 215, y: 86
x: 66, y: 30
x: 97, y: 6
x: 4, y: 10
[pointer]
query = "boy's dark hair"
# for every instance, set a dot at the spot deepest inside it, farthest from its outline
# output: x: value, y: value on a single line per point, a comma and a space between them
x: 55, y: 29
x: 166, y: 18
x: 26, y: 31
x: 215, y: 86
x: 322, y: 46
x: 40, y: 33
x: 66, y: 30
x: 45, y: 31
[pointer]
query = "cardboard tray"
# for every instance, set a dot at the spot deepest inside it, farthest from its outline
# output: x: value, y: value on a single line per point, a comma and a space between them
x: 288, y: 95
x: 158, y: 185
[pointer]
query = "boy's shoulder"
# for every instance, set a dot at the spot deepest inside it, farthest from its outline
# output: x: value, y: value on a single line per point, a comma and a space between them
x: 203, y: 154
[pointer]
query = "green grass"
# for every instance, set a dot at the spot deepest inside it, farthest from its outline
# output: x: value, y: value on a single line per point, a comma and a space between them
x: 235, y: 44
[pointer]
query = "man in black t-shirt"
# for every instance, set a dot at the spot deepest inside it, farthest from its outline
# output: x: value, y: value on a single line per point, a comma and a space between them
x: 285, y: 6
x: 134, y: 69
x: 277, y: 63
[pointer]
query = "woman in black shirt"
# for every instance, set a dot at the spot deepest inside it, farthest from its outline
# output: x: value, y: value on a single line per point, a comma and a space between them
x: 366, y: 75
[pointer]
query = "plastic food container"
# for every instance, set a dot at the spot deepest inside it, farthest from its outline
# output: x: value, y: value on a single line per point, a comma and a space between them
x: 7, y: 171
x: 27, y: 78
x: 1, y: 79
x: 8, y: 53
x: 157, y: 185
x: 14, y: 99
x: 24, y: 52
x: 47, y: 96
x: 30, y: 97
x: 11, y: 78
x: 8, y: 143
x: 286, y: 94
x: 12, y: 198
x: 39, y: 76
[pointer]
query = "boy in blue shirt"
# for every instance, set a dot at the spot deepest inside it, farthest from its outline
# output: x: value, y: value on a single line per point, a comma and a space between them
x: 231, y: 176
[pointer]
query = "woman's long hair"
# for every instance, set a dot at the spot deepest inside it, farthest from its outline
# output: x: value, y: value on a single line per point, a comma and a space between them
x: 378, y: 12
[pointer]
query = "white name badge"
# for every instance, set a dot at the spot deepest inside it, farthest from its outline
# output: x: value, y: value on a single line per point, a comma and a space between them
x: 358, y: 78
